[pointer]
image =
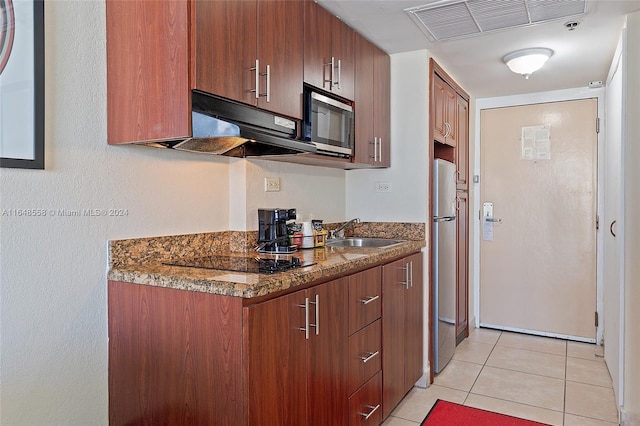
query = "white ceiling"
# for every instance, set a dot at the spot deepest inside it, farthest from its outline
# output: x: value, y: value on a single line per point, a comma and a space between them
x: 475, y: 62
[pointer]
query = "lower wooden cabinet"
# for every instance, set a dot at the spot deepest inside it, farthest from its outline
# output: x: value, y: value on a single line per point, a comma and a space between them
x: 293, y: 364
x: 365, y: 406
x: 338, y: 353
x: 462, y: 262
x: 402, y: 326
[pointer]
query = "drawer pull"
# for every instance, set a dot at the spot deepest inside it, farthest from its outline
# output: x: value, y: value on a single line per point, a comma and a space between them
x: 369, y: 299
x: 369, y: 356
x: 373, y: 410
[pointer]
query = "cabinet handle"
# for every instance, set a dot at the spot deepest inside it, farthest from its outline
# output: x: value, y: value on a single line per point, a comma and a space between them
x: 331, y: 65
x: 375, y: 149
x: 337, y: 83
x: 257, y: 70
x: 369, y: 356
x: 306, y: 318
x: 411, y: 273
x: 380, y: 147
x: 448, y: 131
x: 373, y: 410
x: 369, y: 299
x: 317, y: 324
x: 268, y: 83
x: 611, y: 228
x: 405, y: 268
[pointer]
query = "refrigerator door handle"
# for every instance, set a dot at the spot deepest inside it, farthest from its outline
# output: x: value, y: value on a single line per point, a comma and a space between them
x: 444, y: 219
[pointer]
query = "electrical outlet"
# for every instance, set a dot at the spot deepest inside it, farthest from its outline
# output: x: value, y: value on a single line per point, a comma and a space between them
x: 383, y: 187
x: 271, y: 184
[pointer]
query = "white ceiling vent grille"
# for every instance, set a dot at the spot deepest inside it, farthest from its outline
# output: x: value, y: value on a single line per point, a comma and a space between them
x: 445, y: 20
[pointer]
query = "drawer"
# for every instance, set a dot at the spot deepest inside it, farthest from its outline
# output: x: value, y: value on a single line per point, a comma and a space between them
x: 365, y: 293
x: 365, y: 355
x: 365, y: 406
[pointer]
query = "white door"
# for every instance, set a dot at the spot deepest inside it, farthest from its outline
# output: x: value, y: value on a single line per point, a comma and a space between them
x: 538, y: 166
x: 610, y: 218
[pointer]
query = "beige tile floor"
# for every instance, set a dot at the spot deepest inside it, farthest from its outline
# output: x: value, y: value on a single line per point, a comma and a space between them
x: 537, y: 378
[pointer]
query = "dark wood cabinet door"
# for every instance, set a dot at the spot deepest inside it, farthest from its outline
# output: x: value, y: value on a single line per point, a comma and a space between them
x: 327, y: 375
x: 394, y: 286
x: 382, y: 107
x: 148, y: 94
x: 413, y: 308
x: 342, y: 41
x: 276, y: 361
x: 365, y: 405
x: 439, y: 109
x: 462, y: 261
x: 462, y: 145
x: 225, y: 48
x: 365, y: 298
x: 280, y: 46
x: 317, y: 45
x: 364, y: 101
x: 175, y: 356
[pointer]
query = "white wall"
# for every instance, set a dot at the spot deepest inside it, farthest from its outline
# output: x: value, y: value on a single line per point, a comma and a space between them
x: 631, y: 155
x: 53, y: 306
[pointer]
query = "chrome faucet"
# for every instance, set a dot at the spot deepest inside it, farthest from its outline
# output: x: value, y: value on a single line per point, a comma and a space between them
x: 339, y: 232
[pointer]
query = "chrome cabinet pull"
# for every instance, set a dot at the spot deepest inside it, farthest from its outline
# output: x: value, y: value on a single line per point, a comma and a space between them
x: 306, y: 318
x: 317, y: 324
x: 373, y: 410
x: 369, y: 356
x: 337, y: 83
x: 375, y: 149
x: 447, y: 132
x: 369, y: 299
x: 380, y: 147
x: 257, y: 70
x: 267, y: 74
x: 331, y: 65
x: 611, y: 228
x: 411, y: 273
x: 405, y: 268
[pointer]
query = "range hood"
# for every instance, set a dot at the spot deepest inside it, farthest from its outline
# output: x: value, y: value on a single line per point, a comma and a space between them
x: 224, y: 127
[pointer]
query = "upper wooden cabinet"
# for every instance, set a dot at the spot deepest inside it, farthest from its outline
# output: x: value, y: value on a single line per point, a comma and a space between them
x: 373, y: 105
x: 445, y: 112
x: 148, y: 96
x: 462, y: 145
x: 252, y: 52
x: 328, y: 51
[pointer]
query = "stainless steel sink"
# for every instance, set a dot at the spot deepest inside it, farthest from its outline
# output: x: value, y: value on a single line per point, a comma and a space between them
x: 364, y: 242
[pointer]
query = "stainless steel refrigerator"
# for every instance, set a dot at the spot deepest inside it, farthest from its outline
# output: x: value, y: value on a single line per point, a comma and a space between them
x: 444, y: 262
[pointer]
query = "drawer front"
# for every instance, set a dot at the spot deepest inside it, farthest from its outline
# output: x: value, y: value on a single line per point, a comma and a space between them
x: 365, y: 294
x: 365, y: 355
x: 365, y: 406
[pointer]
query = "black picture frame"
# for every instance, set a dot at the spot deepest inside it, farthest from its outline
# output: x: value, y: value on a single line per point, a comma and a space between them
x: 38, y: 102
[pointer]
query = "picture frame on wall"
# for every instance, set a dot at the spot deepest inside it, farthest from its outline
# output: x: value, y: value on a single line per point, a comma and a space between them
x: 22, y: 84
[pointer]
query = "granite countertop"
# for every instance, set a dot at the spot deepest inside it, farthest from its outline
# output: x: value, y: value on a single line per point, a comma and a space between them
x: 140, y: 261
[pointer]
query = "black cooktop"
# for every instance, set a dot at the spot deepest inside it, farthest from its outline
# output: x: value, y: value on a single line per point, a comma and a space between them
x: 257, y: 264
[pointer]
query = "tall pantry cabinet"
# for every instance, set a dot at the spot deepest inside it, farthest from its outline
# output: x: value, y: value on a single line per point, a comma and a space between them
x: 449, y: 129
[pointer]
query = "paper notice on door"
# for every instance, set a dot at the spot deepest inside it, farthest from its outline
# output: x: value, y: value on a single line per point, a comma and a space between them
x: 536, y: 143
x: 487, y: 230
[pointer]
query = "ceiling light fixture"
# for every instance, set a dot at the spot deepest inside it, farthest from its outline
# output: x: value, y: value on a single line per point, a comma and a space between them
x: 527, y: 61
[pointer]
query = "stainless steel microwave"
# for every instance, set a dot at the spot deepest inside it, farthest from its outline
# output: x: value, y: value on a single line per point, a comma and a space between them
x: 328, y: 124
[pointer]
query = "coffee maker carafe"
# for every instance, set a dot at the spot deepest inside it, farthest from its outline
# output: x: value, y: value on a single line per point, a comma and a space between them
x: 272, y: 230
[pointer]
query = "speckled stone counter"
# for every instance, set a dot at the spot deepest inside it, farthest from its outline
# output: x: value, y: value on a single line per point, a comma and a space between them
x: 140, y: 260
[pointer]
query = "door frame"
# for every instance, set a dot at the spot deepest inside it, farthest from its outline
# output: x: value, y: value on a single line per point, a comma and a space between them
x: 528, y: 99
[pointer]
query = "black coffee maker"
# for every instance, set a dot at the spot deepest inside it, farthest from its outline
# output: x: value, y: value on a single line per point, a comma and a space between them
x: 272, y: 230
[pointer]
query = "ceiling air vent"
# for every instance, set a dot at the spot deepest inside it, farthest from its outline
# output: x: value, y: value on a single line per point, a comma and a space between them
x: 446, y: 20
